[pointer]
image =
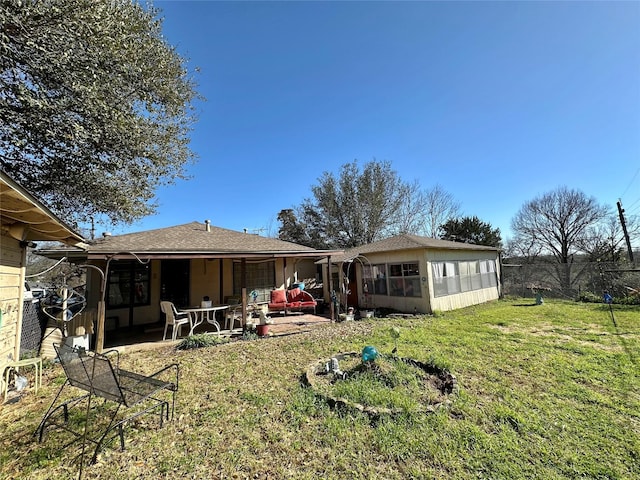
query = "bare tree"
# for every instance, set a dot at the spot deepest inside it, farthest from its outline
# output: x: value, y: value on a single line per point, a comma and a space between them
x: 362, y: 205
x: 411, y: 213
x: 558, y: 224
x: 423, y: 212
x: 439, y: 207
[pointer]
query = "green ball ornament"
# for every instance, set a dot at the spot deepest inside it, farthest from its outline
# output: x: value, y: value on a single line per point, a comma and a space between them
x: 369, y: 354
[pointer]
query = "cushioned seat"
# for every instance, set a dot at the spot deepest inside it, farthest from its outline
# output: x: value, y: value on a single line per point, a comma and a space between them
x: 291, y: 300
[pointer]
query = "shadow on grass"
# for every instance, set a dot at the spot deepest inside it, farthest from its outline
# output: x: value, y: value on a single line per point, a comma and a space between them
x: 620, y: 336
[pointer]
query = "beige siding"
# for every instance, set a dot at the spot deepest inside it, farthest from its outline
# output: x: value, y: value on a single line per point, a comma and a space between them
x: 305, y: 268
x: 427, y: 303
x: 12, y: 272
x: 402, y: 304
x: 205, y: 280
x: 464, y: 299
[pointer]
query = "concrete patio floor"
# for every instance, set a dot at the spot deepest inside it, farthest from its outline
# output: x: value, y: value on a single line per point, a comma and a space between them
x: 150, y: 336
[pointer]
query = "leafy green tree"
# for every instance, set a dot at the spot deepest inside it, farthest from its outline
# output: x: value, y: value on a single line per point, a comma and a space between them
x: 359, y: 206
x: 471, y: 230
x: 95, y: 108
x: 291, y: 229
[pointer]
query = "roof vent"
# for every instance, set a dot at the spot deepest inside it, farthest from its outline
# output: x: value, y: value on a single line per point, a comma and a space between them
x: 207, y: 225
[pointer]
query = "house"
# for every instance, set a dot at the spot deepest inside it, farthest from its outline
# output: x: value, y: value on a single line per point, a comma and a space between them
x: 23, y: 221
x: 132, y: 273
x: 414, y: 274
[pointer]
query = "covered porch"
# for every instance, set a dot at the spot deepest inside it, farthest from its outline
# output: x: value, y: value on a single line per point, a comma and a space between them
x: 129, y: 275
x: 147, y: 337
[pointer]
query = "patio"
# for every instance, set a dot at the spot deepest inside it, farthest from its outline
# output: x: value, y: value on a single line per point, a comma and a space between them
x: 150, y: 336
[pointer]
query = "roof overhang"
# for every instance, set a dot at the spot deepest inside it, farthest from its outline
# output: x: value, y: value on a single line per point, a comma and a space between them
x: 82, y: 255
x: 205, y: 255
x: 26, y: 219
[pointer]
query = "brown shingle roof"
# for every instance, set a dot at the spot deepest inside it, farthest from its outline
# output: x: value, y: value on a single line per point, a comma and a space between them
x: 406, y: 242
x: 194, y: 238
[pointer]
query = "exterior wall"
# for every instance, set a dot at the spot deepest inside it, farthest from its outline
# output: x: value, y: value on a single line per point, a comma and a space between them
x: 427, y: 302
x: 464, y: 299
x: 402, y: 304
x: 205, y: 280
x: 305, y: 269
x: 12, y: 272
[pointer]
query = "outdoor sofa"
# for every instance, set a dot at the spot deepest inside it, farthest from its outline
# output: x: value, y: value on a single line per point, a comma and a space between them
x: 294, y: 300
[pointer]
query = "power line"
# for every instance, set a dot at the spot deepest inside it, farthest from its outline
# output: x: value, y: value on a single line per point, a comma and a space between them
x: 632, y: 204
x: 630, y: 183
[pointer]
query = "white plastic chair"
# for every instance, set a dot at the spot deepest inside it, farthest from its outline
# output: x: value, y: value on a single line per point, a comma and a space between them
x: 233, y: 315
x: 174, y: 319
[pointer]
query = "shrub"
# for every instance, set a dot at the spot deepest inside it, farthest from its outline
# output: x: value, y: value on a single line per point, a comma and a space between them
x: 200, y: 340
x: 588, y: 297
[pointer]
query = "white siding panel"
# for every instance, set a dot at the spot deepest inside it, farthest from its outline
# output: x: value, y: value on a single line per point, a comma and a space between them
x: 466, y: 299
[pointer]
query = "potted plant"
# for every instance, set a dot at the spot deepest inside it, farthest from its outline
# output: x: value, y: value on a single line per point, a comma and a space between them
x: 262, y: 328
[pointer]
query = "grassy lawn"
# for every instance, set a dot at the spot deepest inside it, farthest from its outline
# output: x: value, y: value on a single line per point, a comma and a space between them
x: 549, y: 391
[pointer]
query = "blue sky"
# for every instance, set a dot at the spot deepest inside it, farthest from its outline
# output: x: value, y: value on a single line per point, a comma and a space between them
x: 497, y: 102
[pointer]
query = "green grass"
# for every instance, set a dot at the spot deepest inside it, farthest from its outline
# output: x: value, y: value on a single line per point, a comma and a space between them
x: 544, y: 392
x: 386, y: 383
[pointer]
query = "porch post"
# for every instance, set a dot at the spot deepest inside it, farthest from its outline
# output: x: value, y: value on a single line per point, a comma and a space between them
x: 100, y: 326
x: 243, y: 283
x: 101, y: 305
x: 221, y: 281
x: 330, y: 277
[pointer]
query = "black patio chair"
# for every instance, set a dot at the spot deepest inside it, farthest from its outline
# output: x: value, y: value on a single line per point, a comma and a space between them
x: 96, y: 374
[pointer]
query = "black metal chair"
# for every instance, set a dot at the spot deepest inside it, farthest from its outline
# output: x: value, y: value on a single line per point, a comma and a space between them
x: 96, y: 374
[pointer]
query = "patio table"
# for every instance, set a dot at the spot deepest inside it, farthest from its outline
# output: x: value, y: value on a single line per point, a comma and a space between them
x: 198, y: 315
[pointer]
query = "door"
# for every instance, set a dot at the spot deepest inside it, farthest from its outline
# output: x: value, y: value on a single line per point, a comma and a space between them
x: 174, y: 282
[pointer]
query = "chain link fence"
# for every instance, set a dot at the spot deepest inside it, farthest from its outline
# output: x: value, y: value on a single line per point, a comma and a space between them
x: 586, y: 281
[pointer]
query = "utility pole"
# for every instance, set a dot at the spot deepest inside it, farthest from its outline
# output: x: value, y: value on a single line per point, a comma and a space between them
x: 624, y: 230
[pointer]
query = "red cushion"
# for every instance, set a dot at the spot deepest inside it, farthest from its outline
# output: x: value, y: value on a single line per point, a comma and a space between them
x: 292, y: 295
x: 278, y: 296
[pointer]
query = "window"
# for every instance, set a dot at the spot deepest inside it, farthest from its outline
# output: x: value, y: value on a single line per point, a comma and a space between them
x: 455, y: 277
x: 374, y: 279
x: 404, y: 280
x: 488, y: 274
x: 128, y: 284
x: 470, y: 278
x: 261, y: 277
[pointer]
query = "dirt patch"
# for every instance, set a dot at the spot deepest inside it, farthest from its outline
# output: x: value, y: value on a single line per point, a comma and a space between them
x: 420, y: 387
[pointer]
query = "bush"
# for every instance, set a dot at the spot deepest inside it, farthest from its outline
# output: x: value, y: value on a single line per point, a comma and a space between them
x: 200, y: 340
x: 588, y: 297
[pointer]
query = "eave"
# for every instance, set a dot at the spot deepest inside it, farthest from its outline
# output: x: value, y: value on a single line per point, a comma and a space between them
x: 25, y: 218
